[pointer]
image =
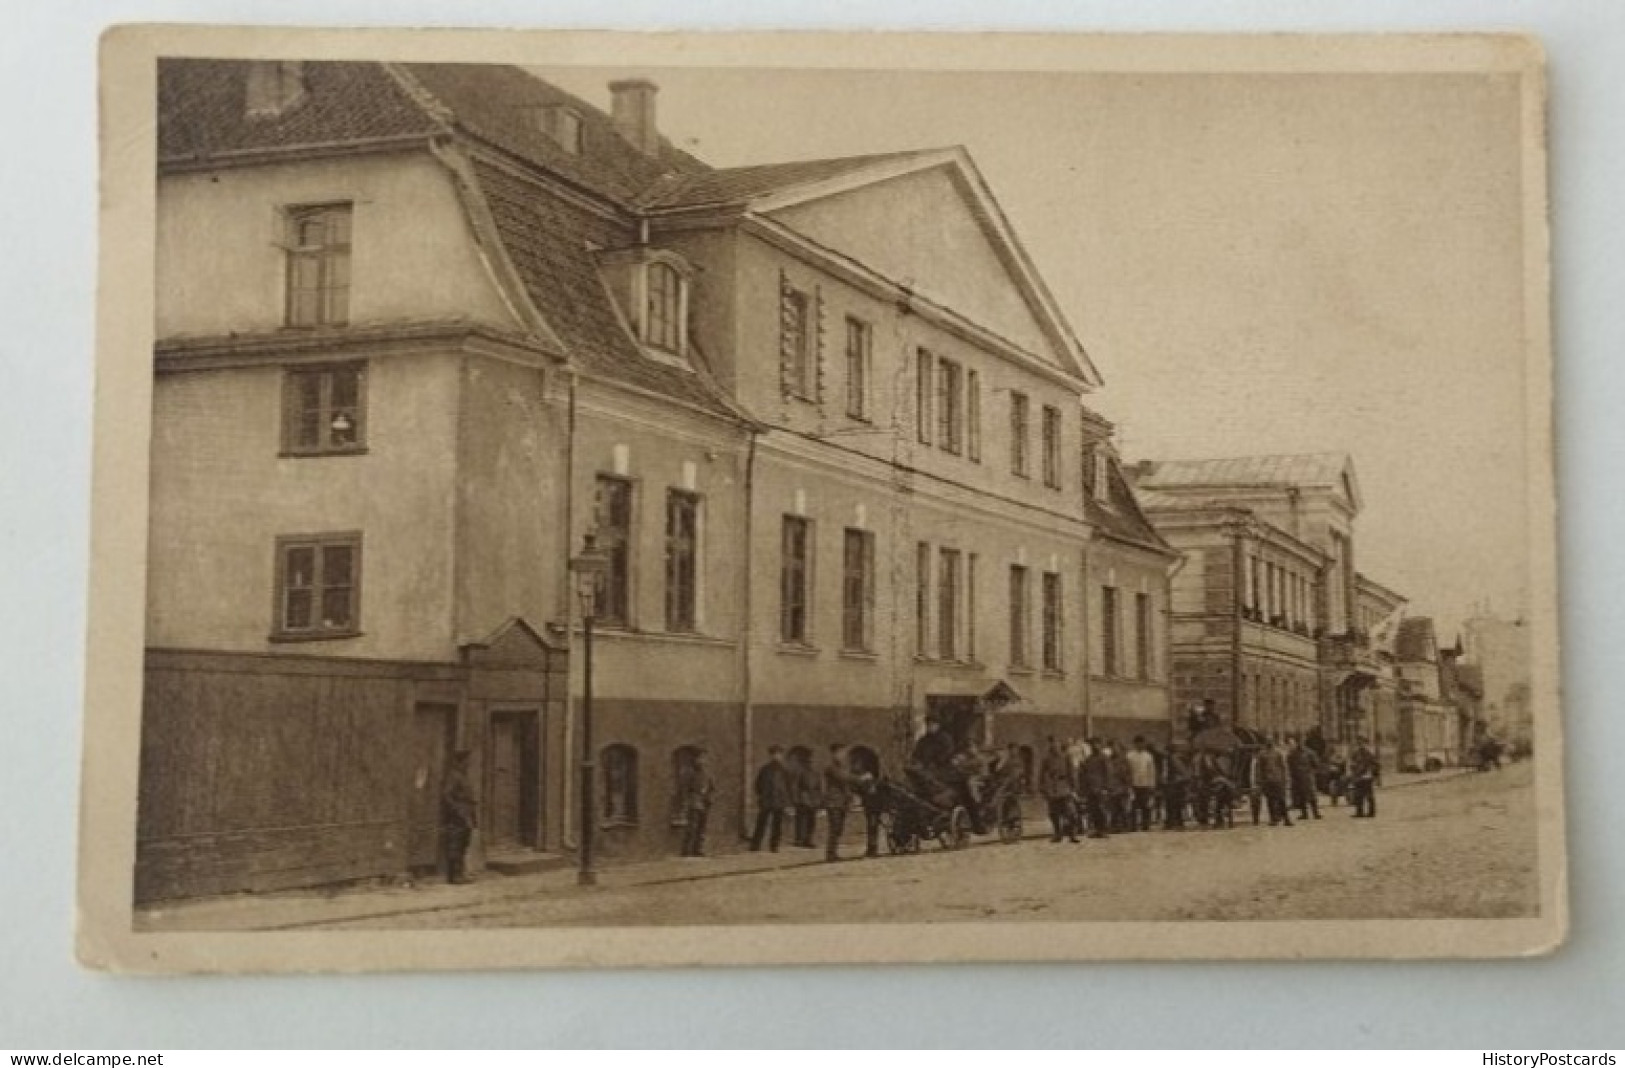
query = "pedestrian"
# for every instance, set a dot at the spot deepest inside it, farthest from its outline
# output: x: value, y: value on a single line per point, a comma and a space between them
x: 1142, y: 773
x: 1059, y: 787
x: 1272, y: 781
x: 459, y: 815
x: 772, y: 798
x: 806, y: 791
x: 1364, y: 772
x: 1097, y: 785
x: 1176, y: 783
x: 841, y: 784
x: 1122, y: 788
x: 1217, y: 789
x: 695, y: 788
x: 1303, y: 768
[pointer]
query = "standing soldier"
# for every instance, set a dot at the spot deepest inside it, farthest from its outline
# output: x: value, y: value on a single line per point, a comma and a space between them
x: 1176, y: 782
x: 1056, y: 782
x: 459, y: 815
x: 1272, y: 777
x: 840, y: 784
x: 772, y: 798
x: 806, y: 788
x: 1122, y: 788
x: 1364, y: 771
x: 694, y: 791
x: 1302, y: 767
x: 1097, y: 787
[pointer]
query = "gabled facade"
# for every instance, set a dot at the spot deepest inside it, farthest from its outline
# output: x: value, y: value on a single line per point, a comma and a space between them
x: 1129, y: 601
x: 422, y: 327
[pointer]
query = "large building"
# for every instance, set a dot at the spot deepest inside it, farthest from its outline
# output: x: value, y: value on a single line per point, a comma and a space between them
x: 1271, y: 620
x: 421, y: 328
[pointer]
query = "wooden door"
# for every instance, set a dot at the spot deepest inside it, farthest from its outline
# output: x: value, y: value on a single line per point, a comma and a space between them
x: 514, y: 770
x: 433, y: 737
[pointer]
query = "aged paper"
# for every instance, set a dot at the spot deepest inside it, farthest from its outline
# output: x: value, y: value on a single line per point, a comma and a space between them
x: 643, y: 499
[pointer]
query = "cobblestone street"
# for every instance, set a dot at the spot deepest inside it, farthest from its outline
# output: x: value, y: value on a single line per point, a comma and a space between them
x: 1462, y: 847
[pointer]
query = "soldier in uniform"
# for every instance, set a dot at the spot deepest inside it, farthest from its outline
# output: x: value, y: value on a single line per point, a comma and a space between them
x: 459, y: 815
x: 1056, y: 782
x: 1272, y: 780
x: 1302, y: 768
x: 1097, y: 787
x: 1176, y: 782
x: 694, y: 792
x: 1364, y: 772
x: 805, y: 792
x: 772, y: 798
x: 841, y: 783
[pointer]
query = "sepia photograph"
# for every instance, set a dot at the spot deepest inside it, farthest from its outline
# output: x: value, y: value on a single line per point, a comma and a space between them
x: 593, y: 499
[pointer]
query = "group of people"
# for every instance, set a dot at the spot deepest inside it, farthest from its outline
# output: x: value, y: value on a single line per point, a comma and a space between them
x: 1092, y: 788
x: 792, y: 785
x: 1098, y: 787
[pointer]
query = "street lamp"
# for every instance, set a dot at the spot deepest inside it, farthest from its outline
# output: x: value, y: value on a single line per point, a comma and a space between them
x: 588, y: 567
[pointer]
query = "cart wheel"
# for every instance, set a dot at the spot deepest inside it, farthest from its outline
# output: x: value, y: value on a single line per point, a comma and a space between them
x: 956, y: 835
x: 1010, y: 821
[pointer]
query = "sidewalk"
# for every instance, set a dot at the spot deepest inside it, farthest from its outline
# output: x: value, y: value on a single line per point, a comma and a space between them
x: 287, y: 909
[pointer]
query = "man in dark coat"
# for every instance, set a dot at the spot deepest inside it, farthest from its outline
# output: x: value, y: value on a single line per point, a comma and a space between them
x: 1272, y: 781
x: 1122, y: 788
x: 694, y: 792
x: 1097, y: 787
x: 841, y: 785
x: 1303, y: 768
x: 1176, y: 783
x: 459, y: 815
x: 772, y: 798
x: 806, y: 795
x: 1060, y: 793
x: 1363, y: 774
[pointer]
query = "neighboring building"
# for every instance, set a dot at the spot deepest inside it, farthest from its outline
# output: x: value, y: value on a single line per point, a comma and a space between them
x: 1429, y: 729
x: 1266, y: 620
x: 1129, y: 599
x: 1367, y: 706
x: 421, y: 327
x: 1462, y: 687
x: 1499, y: 649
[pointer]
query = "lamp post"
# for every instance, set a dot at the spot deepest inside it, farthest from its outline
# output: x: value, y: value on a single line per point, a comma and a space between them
x: 588, y: 567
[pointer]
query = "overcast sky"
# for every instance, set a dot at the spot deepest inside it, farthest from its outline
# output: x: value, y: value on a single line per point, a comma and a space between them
x: 1256, y: 264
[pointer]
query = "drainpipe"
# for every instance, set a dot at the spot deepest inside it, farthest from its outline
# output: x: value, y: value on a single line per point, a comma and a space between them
x: 567, y: 592
x: 1238, y: 569
x: 747, y: 631
x: 1174, y: 569
x: 1088, y: 645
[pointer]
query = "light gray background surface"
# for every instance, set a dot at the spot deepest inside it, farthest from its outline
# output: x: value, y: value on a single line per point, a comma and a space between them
x: 47, y: 189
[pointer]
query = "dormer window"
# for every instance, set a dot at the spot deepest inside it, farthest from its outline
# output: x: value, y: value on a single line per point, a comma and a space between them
x: 563, y: 125
x: 663, y: 307
x: 651, y: 287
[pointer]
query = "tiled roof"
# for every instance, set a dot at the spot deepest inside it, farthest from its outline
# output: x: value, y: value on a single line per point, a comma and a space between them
x: 500, y: 105
x: 1123, y: 518
x: 736, y: 185
x: 550, y: 242
x: 202, y: 108
x: 1309, y: 469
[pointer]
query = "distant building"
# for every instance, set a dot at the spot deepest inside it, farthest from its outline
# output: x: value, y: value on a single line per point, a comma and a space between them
x: 1270, y: 614
x: 1429, y: 728
x: 1499, y: 649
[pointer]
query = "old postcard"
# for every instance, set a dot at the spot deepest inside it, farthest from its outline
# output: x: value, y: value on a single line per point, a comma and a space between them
x: 618, y: 499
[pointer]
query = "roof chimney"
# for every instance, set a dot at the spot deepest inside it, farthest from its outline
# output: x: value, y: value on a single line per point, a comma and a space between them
x: 274, y: 86
x: 632, y: 106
